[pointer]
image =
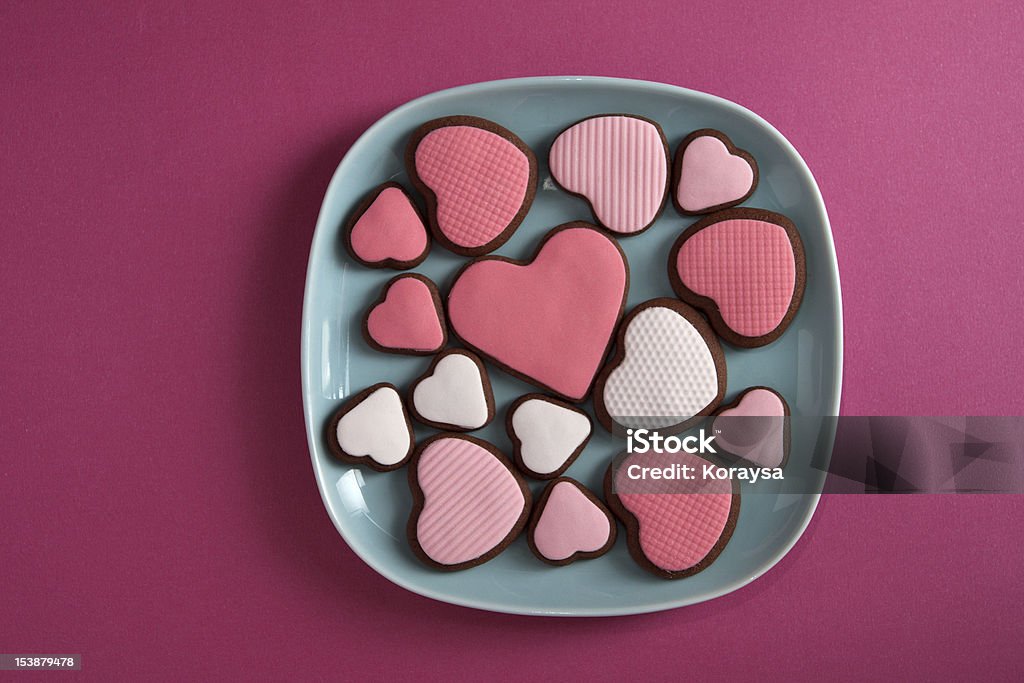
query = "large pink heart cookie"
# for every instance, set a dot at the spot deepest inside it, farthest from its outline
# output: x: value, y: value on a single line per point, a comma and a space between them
x: 755, y: 428
x: 675, y: 527
x: 549, y: 320
x: 386, y: 230
x: 569, y: 523
x: 478, y: 178
x: 745, y: 269
x: 468, y: 502
x: 407, y: 318
x: 619, y: 164
x: 710, y: 173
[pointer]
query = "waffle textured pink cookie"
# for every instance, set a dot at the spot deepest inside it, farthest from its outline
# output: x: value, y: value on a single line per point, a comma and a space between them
x: 549, y: 320
x: 386, y: 230
x: 570, y: 523
x: 408, y: 317
x: 745, y: 269
x: 468, y: 502
x: 619, y: 164
x: 755, y: 428
x: 478, y: 178
x: 710, y: 173
x: 675, y: 528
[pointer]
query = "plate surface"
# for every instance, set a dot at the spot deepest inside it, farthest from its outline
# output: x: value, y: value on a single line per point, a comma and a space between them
x: 370, y: 509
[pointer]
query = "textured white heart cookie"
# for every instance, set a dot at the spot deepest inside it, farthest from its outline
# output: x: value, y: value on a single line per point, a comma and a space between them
x: 668, y: 370
x: 372, y: 428
x: 547, y: 434
x: 454, y: 394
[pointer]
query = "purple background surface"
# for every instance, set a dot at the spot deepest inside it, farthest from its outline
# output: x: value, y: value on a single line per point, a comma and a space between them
x: 161, y: 169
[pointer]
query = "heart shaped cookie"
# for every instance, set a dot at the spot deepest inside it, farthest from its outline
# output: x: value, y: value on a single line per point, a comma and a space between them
x: 674, y: 528
x: 668, y: 370
x: 454, y: 393
x: 619, y: 164
x: 745, y: 269
x: 386, y: 230
x: 547, y: 434
x: 372, y: 428
x: 569, y: 523
x: 755, y: 428
x: 550, y: 320
x: 468, y: 502
x: 478, y: 178
x: 407, y: 318
x: 710, y: 173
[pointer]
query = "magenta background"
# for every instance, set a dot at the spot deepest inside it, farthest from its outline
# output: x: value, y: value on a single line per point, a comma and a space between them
x: 160, y: 173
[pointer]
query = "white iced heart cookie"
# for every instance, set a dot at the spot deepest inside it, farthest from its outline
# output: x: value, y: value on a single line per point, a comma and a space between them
x: 668, y: 370
x: 454, y: 394
x: 372, y: 428
x: 547, y: 434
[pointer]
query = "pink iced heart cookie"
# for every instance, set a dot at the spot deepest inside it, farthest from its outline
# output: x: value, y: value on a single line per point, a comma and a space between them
x: 755, y: 428
x: 668, y: 370
x: 407, y: 318
x: 479, y: 180
x: 386, y: 230
x: 710, y: 173
x: 674, y: 527
x: 549, y: 320
x: 619, y: 164
x: 468, y: 502
x: 569, y: 523
x: 745, y: 269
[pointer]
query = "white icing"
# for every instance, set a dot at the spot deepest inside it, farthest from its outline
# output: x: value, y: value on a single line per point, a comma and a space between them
x: 454, y: 394
x: 668, y: 373
x: 376, y: 428
x: 549, y: 434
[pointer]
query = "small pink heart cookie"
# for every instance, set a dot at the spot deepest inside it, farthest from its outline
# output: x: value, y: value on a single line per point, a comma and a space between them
x: 468, y: 502
x: 570, y: 523
x: 619, y: 164
x: 550, y: 320
x: 755, y: 428
x: 407, y: 318
x: 478, y: 178
x: 674, y: 527
x: 386, y: 230
x: 710, y: 173
x: 745, y: 269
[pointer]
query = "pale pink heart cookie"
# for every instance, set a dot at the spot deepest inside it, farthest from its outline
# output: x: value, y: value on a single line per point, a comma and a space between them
x: 619, y: 164
x: 745, y: 269
x: 755, y: 428
x: 570, y: 523
x: 407, y: 318
x: 478, y: 178
x: 453, y: 394
x: 468, y: 502
x: 372, y: 428
x: 549, y: 320
x: 386, y: 230
x: 675, y: 528
x: 710, y: 173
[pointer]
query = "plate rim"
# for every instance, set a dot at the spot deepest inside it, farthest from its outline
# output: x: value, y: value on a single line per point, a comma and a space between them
x: 313, y: 433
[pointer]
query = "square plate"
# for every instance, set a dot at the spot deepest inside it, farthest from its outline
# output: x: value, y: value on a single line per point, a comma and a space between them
x: 370, y: 509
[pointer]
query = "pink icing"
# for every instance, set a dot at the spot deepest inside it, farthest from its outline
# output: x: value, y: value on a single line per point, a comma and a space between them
x: 758, y: 431
x: 480, y: 180
x: 747, y: 267
x: 407, y: 318
x: 550, y: 320
x: 676, y: 530
x: 570, y: 523
x: 471, y: 501
x: 711, y: 176
x: 389, y: 228
x: 619, y: 164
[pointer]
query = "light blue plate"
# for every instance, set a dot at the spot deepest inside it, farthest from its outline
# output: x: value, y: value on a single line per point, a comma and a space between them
x: 370, y: 509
